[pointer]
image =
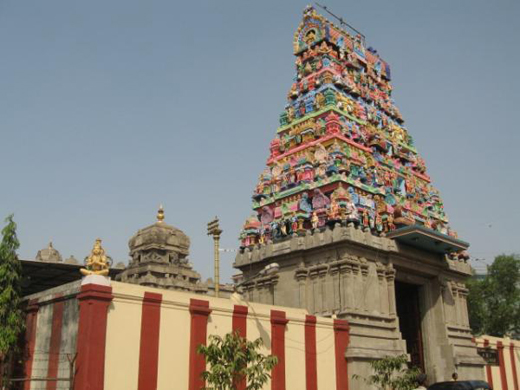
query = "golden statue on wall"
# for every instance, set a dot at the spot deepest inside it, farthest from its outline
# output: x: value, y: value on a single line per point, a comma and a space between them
x: 97, y: 263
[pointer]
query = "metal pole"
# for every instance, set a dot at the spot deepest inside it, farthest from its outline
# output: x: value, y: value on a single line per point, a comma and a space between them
x: 216, y: 240
x: 214, y: 230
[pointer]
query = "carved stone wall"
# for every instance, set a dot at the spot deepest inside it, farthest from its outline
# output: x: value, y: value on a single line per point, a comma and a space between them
x: 351, y: 274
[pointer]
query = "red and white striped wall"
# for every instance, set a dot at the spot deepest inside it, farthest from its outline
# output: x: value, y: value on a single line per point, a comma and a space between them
x: 504, y: 374
x: 130, y: 337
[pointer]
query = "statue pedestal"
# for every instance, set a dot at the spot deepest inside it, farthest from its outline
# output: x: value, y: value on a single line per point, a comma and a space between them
x: 96, y: 279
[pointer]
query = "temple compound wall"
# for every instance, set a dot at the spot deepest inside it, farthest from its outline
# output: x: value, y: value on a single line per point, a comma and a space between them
x: 502, y: 361
x: 349, y: 273
x: 127, y: 337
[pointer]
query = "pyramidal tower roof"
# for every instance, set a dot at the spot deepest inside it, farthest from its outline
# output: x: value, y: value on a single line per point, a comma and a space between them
x: 342, y: 153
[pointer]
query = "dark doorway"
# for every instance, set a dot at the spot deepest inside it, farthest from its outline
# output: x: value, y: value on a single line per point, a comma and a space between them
x: 407, y: 299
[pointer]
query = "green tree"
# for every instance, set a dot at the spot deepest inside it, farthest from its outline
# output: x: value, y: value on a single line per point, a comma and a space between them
x: 232, y: 359
x: 392, y: 373
x: 494, y: 301
x: 11, y: 314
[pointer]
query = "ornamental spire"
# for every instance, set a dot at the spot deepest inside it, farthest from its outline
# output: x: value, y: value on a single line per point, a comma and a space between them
x: 160, y: 214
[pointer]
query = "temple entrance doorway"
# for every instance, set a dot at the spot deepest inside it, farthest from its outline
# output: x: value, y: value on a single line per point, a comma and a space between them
x: 408, y: 311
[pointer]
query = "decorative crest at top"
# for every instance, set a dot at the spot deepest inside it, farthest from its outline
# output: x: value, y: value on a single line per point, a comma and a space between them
x: 160, y: 214
x: 97, y: 263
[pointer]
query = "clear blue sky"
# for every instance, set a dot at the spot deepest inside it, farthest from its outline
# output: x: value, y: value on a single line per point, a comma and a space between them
x: 108, y: 108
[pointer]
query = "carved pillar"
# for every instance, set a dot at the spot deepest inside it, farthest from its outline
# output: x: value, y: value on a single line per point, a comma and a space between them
x: 259, y: 287
x: 323, y: 289
x: 335, y: 290
x: 390, y: 283
x: 273, y: 283
x: 464, y: 295
x: 383, y: 290
x: 457, y: 307
x: 364, y: 276
x: 313, y: 294
x: 357, y: 279
x: 349, y: 287
x: 301, y: 278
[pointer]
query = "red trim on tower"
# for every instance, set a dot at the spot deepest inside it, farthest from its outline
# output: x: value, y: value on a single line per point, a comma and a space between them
x: 93, y: 300
x: 488, y: 367
x: 278, y: 323
x: 513, y: 364
x: 341, y: 341
x: 55, y: 343
x: 502, y: 365
x: 199, y: 311
x: 311, y: 364
x: 149, y: 347
x: 30, y: 337
x: 240, y: 325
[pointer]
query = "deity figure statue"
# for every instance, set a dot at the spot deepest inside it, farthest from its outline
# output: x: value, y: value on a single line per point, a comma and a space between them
x: 319, y: 200
x: 97, y: 263
x: 290, y: 114
x: 366, y: 218
x: 390, y: 222
x: 283, y: 228
x: 293, y: 93
x: 352, y: 212
x: 310, y: 37
x: 321, y: 154
x: 324, y: 48
x: 321, y: 171
x: 319, y: 100
x: 294, y: 224
x: 305, y: 204
x: 266, y: 215
x: 379, y: 223
x: 315, y: 221
x: 334, y: 212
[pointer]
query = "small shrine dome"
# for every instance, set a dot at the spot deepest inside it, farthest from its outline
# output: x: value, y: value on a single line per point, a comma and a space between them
x: 71, y: 260
x: 49, y: 255
x: 252, y: 223
x: 119, y: 265
x: 160, y: 236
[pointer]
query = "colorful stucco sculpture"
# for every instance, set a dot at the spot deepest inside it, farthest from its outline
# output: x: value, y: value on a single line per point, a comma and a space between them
x: 342, y: 153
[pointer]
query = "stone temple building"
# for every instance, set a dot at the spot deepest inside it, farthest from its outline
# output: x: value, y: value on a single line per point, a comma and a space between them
x: 159, y: 258
x: 49, y: 255
x: 346, y: 209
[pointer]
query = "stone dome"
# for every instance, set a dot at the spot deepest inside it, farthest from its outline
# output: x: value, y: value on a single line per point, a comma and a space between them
x: 160, y: 237
x: 159, y: 259
x: 71, y: 260
x: 49, y: 255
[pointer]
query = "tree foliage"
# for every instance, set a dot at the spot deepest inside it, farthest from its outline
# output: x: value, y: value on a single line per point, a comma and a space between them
x: 392, y: 373
x: 233, y: 358
x: 494, y: 301
x: 11, y: 315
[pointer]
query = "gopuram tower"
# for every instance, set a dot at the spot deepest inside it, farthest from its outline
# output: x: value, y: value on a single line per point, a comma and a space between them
x: 346, y: 209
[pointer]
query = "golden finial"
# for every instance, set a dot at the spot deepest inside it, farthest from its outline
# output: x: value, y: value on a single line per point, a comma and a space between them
x: 160, y: 214
x: 97, y: 263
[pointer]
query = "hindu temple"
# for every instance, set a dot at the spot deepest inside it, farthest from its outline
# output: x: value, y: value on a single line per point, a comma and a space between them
x: 159, y: 258
x: 346, y: 208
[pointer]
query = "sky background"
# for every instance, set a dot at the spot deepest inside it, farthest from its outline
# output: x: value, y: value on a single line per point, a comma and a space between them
x: 109, y: 108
